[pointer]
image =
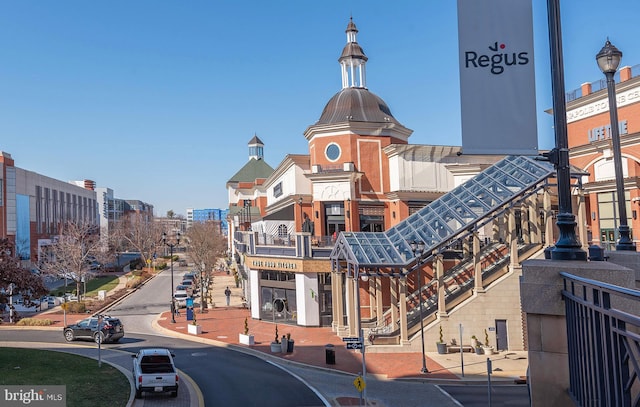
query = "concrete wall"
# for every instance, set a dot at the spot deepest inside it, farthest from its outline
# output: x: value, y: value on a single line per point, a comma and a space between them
x: 500, y: 301
x: 546, y: 323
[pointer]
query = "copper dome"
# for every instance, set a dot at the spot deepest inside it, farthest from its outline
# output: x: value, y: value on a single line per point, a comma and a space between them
x: 356, y: 104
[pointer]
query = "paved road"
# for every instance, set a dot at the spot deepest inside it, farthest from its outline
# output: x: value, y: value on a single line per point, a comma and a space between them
x: 222, y: 375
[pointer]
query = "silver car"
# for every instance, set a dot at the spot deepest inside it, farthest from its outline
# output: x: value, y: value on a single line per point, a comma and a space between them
x: 181, y: 299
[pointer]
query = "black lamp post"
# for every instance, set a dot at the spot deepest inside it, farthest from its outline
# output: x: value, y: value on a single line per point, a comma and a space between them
x: 171, y: 245
x: 418, y: 248
x: 567, y: 246
x: 608, y: 60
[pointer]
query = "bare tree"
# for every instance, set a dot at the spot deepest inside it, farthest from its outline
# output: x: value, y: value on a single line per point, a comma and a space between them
x: 135, y: 232
x: 71, y: 253
x: 28, y: 284
x: 206, y: 245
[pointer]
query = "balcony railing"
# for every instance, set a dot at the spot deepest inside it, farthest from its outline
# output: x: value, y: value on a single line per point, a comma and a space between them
x: 603, y: 342
x: 300, y: 245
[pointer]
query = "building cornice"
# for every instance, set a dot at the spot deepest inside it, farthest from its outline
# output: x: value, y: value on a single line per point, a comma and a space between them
x: 597, y: 147
x: 360, y: 128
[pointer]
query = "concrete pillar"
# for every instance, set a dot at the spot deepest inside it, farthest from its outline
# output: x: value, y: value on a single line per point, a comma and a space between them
x: 548, y: 219
x: 339, y: 300
x: 402, y: 287
x: 544, y: 308
x: 581, y: 220
x: 534, y: 220
x: 394, y: 303
x: 379, y: 307
x: 495, y: 229
x: 477, y: 263
x: 372, y: 297
x: 438, y: 269
x: 465, y: 248
x: 513, y: 239
x: 351, y: 306
x: 525, y: 222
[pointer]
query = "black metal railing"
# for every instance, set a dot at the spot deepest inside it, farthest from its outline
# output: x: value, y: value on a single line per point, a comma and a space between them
x: 603, y: 342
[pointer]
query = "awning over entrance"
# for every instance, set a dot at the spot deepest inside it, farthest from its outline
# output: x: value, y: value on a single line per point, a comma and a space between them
x: 446, y: 218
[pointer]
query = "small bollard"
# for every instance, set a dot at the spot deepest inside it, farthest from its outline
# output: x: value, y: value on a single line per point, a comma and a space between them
x: 330, y: 354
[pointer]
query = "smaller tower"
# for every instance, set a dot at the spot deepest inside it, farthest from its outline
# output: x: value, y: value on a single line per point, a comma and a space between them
x: 353, y: 60
x: 256, y: 148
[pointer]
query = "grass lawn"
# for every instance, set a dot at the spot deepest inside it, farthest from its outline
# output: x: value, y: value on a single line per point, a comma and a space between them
x: 87, y: 384
x: 101, y: 283
x: 93, y: 286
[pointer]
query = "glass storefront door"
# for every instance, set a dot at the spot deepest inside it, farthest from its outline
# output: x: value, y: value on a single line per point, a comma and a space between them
x: 278, y: 305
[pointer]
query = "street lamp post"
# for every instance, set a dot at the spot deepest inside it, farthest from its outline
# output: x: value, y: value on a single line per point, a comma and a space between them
x: 608, y: 60
x: 567, y: 246
x: 418, y: 248
x: 171, y: 245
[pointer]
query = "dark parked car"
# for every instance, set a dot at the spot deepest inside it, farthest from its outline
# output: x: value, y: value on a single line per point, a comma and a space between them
x: 112, y: 329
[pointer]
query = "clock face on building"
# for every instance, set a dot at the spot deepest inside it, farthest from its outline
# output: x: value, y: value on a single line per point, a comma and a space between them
x: 332, y: 152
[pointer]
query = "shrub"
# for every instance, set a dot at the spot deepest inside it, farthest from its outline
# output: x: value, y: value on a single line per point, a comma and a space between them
x: 34, y: 322
x: 74, y: 307
x: 246, y: 326
x: 134, y: 282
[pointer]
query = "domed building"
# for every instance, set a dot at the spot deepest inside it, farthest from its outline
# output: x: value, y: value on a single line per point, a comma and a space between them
x: 361, y: 174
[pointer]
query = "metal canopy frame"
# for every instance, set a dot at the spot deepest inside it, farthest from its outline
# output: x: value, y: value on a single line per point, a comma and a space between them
x: 456, y: 214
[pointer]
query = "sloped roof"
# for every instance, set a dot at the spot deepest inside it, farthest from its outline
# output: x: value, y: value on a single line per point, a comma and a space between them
x: 254, y: 169
x: 255, y: 140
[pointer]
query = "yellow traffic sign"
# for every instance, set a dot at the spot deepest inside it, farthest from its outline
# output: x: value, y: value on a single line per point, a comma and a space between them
x: 359, y: 383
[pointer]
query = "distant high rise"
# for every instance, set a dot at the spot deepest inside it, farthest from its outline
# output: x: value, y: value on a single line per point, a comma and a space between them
x: 204, y: 215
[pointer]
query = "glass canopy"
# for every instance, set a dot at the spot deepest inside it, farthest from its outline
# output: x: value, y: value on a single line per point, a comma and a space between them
x: 445, y: 217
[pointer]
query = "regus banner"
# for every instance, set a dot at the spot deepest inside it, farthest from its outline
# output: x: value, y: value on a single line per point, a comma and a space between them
x: 497, y: 77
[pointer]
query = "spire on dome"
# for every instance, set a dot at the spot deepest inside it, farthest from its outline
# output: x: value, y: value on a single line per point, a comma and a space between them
x: 353, y: 60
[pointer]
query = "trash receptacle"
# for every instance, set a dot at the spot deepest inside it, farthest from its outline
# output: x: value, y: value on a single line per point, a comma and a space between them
x: 330, y: 354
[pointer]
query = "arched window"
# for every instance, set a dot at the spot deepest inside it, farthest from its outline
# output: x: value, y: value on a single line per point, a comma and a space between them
x: 282, y: 231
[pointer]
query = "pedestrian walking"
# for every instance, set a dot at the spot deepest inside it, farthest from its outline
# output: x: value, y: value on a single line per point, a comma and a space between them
x: 176, y: 307
x: 227, y: 293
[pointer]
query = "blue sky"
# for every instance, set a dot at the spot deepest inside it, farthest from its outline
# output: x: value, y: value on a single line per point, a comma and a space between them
x: 158, y: 99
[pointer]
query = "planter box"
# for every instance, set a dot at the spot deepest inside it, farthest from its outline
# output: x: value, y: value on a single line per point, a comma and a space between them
x: 246, y: 339
x: 442, y: 348
x: 194, y: 329
x: 276, y: 347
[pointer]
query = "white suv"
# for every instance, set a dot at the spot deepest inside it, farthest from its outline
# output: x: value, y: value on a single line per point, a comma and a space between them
x: 181, y: 299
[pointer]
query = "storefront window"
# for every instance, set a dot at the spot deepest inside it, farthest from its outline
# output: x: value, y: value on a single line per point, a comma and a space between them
x: 278, y: 296
x: 608, y: 218
x: 278, y: 305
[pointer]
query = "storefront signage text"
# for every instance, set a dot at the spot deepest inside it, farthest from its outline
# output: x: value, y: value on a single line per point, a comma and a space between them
x: 604, y: 132
x: 622, y: 99
x: 280, y: 265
